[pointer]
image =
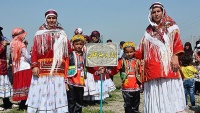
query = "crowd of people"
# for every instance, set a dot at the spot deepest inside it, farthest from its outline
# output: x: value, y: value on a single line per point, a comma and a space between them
x: 53, y: 78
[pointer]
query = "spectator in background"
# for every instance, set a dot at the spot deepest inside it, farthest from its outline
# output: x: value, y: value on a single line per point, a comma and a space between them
x: 109, y: 41
x: 26, y: 43
x: 22, y: 71
x: 197, y: 42
x: 95, y: 37
x: 188, y: 71
x: 196, y: 63
x: 87, y: 38
x: 121, y: 54
x: 5, y: 85
x: 107, y: 83
x: 78, y: 31
x: 188, y: 48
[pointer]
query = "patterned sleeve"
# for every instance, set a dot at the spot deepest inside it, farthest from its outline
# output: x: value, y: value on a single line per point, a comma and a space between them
x: 177, y: 45
x: 115, y: 69
x: 34, y: 55
x: 26, y: 54
x: 69, y: 46
x: 139, y: 50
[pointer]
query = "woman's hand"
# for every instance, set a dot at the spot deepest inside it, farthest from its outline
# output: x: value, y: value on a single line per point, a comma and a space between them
x: 175, y: 63
x: 35, y: 71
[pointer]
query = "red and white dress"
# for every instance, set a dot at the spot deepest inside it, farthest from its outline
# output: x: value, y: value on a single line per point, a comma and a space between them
x: 22, y: 76
x: 47, y: 92
x: 163, y: 88
x: 5, y: 85
x: 93, y: 85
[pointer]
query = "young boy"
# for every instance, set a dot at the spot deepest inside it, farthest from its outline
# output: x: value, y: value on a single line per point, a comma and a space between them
x: 130, y: 69
x: 76, y: 75
x: 188, y: 71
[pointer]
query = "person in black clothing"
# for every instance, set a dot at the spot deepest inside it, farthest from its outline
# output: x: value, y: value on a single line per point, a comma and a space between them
x: 10, y: 70
x: 188, y: 48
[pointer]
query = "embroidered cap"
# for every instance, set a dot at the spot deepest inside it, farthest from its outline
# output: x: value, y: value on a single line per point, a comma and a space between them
x: 128, y: 44
x: 78, y: 37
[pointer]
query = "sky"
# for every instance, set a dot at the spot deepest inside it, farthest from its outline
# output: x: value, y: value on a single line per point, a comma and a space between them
x: 118, y: 20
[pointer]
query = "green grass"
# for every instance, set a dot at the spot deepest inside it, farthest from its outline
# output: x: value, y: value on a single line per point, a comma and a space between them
x: 85, y: 110
x: 112, y: 97
x: 93, y: 108
x: 117, y: 81
x: 15, y: 111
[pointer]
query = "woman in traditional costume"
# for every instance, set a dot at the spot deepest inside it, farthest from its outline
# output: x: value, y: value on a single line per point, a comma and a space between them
x: 159, y: 49
x: 49, y: 54
x: 22, y: 71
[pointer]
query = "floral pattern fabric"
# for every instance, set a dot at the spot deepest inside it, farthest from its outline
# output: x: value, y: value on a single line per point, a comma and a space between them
x: 47, y: 94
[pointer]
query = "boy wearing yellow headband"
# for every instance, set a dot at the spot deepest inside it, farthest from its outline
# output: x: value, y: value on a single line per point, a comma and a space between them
x: 76, y: 75
x: 130, y: 69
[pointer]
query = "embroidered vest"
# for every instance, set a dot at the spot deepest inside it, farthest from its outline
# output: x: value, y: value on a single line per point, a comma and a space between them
x: 73, y: 64
x: 136, y: 66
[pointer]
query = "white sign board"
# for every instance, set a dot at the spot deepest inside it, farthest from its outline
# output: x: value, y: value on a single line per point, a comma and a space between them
x: 99, y: 54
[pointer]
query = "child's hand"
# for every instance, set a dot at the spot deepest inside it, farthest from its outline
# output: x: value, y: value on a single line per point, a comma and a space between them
x: 101, y: 70
x: 142, y: 89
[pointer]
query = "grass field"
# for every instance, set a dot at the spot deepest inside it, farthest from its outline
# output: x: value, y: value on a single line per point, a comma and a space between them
x: 91, y: 108
x: 113, y: 104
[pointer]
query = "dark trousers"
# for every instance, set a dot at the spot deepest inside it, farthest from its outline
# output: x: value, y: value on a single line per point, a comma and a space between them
x: 6, y: 102
x: 10, y: 76
x: 197, y: 87
x: 131, y: 101
x: 75, y: 99
x: 22, y: 105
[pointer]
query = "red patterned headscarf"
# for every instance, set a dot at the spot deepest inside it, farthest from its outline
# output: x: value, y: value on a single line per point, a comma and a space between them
x: 17, y: 44
x: 158, y: 30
